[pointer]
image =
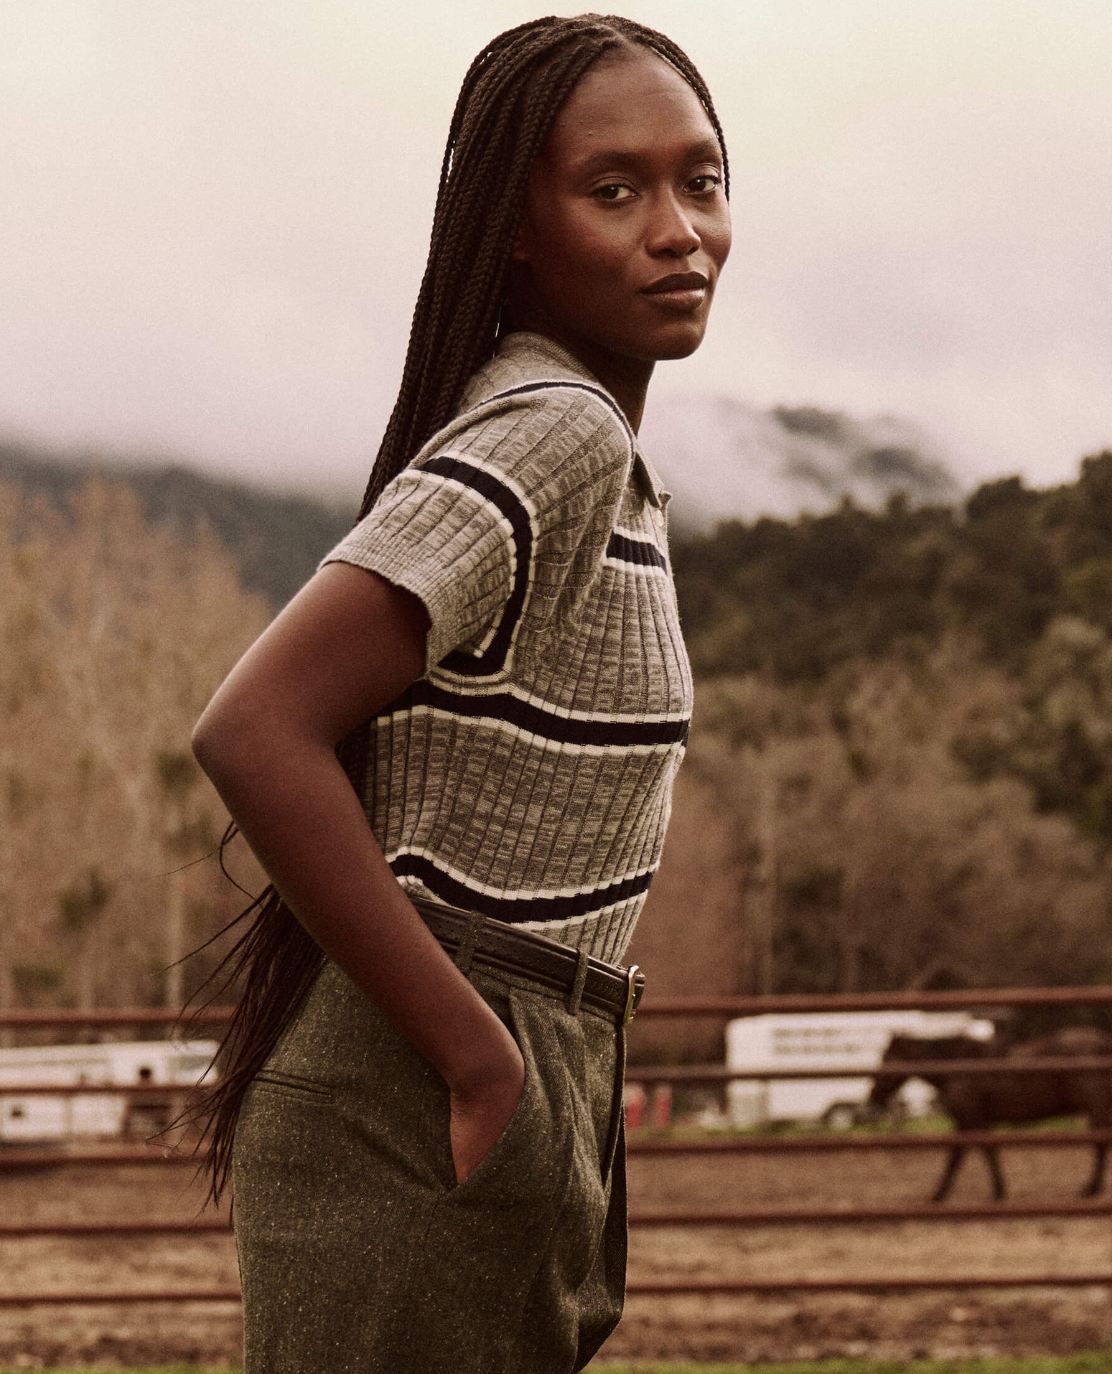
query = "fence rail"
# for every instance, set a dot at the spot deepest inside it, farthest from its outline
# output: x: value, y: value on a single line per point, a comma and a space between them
x: 676, y: 1073
x: 19, y: 1157
x: 117, y: 1018
x: 721, y: 1073
x: 636, y: 1287
x: 839, y: 1141
x: 201, y: 1226
x: 15, y: 1158
x: 869, y: 1284
x: 1097, y: 995
x: 740, y: 1216
x: 139, y: 1090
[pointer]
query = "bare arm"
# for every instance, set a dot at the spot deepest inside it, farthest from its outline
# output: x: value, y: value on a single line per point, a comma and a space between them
x: 346, y: 645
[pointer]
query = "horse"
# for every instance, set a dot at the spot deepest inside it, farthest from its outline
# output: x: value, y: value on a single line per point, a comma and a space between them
x: 976, y: 1102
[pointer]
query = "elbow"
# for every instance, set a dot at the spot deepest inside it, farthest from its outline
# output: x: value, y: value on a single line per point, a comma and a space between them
x: 240, y: 738
x: 221, y: 743
x: 203, y: 743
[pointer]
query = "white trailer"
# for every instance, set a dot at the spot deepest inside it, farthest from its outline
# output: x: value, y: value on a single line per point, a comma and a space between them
x: 854, y: 1041
x: 48, y: 1119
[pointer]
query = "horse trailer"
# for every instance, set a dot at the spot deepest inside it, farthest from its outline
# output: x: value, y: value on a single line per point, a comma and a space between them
x: 854, y: 1041
x: 53, y: 1119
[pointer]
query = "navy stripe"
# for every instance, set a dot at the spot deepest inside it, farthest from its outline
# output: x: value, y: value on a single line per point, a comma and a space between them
x: 597, y: 391
x: 639, y: 551
x: 517, y: 909
x: 493, y: 660
x: 537, y: 721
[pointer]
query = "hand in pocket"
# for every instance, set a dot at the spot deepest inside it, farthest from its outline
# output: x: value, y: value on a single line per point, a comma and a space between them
x: 481, y: 1111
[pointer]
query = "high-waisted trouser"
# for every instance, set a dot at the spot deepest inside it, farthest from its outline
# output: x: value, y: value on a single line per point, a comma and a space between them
x: 358, y: 1250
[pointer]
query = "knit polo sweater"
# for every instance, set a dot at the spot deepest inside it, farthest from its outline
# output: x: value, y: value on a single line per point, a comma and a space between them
x: 528, y: 773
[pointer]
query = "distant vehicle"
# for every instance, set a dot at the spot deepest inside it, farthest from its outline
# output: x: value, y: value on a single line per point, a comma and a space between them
x: 854, y: 1041
x: 46, y: 1119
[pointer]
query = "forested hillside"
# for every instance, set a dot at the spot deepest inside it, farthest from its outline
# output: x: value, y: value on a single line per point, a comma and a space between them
x: 900, y: 771
x: 1021, y: 580
x: 276, y: 539
x: 906, y: 717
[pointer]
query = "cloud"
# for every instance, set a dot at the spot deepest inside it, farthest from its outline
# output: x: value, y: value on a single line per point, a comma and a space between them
x: 723, y: 459
x: 216, y: 216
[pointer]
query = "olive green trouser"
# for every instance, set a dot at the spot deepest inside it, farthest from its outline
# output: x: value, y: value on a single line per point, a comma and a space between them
x: 358, y: 1250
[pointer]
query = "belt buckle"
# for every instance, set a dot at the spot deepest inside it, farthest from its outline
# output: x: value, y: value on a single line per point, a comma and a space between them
x: 631, y: 993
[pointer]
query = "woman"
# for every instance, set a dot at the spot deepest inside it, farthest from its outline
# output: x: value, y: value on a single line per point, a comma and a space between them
x: 453, y: 754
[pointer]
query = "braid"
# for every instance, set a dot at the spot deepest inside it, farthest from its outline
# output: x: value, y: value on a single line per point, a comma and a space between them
x: 507, y: 103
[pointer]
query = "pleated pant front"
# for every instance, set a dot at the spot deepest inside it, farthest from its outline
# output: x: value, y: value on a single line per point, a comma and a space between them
x: 358, y: 1250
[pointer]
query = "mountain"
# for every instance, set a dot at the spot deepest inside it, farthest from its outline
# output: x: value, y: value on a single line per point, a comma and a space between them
x: 723, y: 459
x: 278, y: 539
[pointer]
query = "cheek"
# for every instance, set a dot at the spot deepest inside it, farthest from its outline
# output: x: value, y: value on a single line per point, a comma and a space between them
x: 599, y: 252
x: 578, y: 255
x: 717, y: 239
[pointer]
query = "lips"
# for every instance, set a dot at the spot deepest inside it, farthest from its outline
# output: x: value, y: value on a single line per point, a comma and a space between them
x: 679, y: 281
x: 682, y: 291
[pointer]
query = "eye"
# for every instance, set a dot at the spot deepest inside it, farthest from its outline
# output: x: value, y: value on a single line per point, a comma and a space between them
x: 613, y: 192
x: 705, y: 182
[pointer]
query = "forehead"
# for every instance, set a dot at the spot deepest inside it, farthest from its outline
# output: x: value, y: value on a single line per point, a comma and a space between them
x: 628, y: 100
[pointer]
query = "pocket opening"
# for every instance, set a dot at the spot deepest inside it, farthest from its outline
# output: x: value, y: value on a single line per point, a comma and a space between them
x: 294, y: 1085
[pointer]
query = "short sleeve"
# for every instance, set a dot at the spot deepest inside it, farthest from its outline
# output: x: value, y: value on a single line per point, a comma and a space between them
x: 500, y: 519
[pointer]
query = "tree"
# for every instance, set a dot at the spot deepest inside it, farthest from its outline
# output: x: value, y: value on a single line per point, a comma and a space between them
x: 114, y: 634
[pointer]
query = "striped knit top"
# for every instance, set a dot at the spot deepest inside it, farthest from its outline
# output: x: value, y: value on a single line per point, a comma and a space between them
x: 528, y: 774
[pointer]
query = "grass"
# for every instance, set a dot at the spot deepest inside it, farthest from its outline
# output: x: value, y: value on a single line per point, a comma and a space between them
x: 1092, y: 1363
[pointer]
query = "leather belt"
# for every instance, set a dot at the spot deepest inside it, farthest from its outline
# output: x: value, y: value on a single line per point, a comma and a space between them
x: 498, y: 945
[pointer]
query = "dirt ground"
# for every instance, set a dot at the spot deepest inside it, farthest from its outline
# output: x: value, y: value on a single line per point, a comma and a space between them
x: 775, y: 1327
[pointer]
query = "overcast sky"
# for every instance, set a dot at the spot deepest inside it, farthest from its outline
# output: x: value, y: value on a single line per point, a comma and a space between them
x: 215, y: 217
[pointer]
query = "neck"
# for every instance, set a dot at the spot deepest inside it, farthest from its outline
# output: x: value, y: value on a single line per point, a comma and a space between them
x: 626, y: 379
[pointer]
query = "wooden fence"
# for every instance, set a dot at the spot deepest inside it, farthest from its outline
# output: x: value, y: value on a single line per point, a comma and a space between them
x: 696, y: 1146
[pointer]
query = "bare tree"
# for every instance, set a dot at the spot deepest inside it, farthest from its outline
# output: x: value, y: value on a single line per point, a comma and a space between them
x: 113, y: 635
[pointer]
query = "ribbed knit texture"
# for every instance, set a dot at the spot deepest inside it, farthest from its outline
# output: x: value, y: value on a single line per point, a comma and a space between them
x: 528, y: 774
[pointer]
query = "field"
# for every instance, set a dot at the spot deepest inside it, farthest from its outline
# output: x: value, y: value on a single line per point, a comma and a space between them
x: 943, y: 1325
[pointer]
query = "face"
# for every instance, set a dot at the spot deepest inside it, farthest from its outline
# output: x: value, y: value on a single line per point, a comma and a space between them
x: 626, y: 226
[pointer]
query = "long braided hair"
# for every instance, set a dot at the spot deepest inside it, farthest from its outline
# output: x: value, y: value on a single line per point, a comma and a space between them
x: 506, y: 106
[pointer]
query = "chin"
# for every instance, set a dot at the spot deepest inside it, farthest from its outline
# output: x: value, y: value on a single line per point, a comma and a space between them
x: 680, y: 346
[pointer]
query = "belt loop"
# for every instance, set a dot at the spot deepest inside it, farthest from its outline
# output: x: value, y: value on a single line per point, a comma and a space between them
x: 467, y: 944
x: 631, y: 993
x: 576, y: 994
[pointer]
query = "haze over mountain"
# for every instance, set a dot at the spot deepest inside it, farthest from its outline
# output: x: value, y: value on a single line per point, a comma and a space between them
x: 723, y: 459
x: 720, y: 458
x: 276, y: 537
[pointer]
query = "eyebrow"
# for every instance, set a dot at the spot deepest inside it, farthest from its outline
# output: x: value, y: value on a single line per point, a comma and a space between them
x: 706, y: 148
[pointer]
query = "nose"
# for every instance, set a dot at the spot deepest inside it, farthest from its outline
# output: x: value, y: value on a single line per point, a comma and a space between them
x: 672, y: 233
